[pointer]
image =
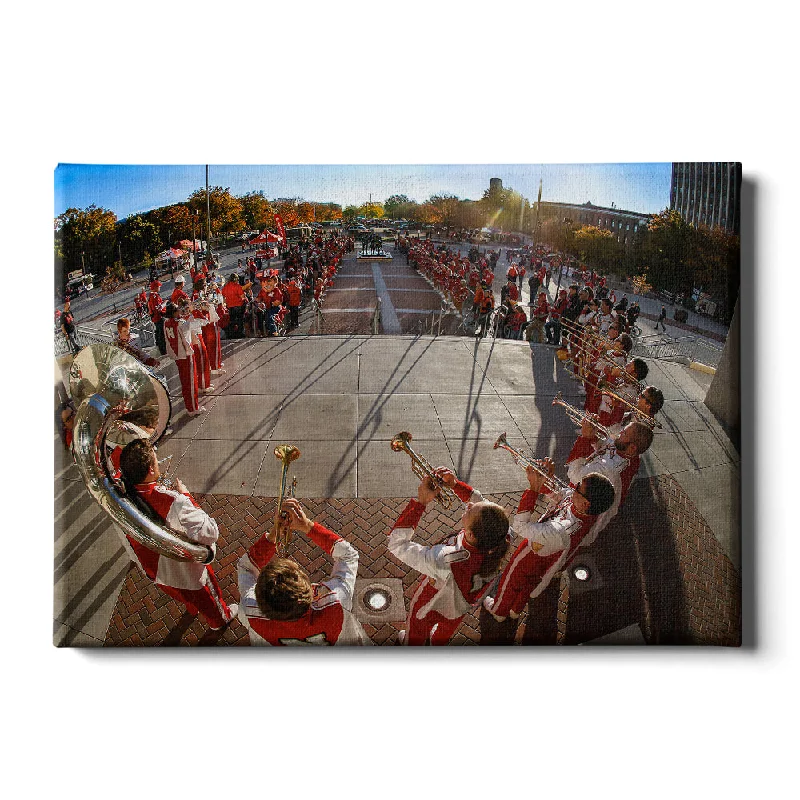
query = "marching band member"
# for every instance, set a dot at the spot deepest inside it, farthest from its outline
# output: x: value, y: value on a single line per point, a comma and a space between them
x: 649, y: 402
x: 279, y: 604
x: 618, y: 459
x: 178, y: 335
x: 547, y: 544
x: 457, y: 571
x: 611, y: 410
x: 210, y: 329
x: 201, y: 360
x: 123, y: 341
x: 177, y: 293
x: 189, y: 582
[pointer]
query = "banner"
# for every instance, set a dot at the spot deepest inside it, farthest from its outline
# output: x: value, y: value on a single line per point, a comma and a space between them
x: 281, y: 229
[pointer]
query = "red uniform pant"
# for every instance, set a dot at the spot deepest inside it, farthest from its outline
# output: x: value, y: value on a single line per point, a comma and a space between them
x: 207, y: 601
x: 433, y: 625
x: 203, y: 366
x: 188, y: 376
x: 212, y: 343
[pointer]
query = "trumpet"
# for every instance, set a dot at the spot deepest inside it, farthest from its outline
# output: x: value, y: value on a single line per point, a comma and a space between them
x: 285, y: 453
x: 422, y: 469
x: 552, y: 482
x: 579, y: 417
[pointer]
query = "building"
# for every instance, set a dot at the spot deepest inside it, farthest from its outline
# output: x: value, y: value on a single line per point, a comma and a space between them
x: 707, y: 193
x: 624, y: 225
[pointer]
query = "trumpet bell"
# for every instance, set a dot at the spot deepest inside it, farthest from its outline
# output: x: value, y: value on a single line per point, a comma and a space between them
x: 501, y: 441
x: 400, y: 442
x: 562, y: 354
x: 287, y: 453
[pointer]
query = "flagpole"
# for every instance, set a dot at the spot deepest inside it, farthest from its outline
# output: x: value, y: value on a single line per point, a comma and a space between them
x: 208, y: 218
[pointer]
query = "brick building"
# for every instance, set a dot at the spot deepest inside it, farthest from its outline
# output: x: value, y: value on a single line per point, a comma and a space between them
x: 622, y: 224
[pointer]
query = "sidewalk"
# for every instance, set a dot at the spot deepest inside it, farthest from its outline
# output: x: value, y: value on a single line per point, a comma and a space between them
x: 341, y: 400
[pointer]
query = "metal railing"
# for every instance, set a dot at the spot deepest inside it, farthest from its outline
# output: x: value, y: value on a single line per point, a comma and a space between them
x: 669, y: 348
x: 144, y: 336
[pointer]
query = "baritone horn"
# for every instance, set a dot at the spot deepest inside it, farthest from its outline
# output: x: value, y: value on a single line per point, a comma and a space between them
x: 285, y: 453
x: 422, y: 469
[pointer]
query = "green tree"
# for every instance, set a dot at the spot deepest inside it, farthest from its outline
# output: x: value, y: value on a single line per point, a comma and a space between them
x: 393, y: 205
x: 350, y: 213
x: 138, y: 237
x: 85, y: 237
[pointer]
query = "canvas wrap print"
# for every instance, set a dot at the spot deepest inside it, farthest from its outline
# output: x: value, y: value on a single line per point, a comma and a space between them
x: 397, y: 405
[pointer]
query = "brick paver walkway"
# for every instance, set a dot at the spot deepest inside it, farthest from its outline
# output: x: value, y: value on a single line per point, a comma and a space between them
x: 680, y: 586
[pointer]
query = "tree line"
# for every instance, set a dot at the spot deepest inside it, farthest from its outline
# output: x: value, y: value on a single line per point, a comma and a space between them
x: 669, y: 253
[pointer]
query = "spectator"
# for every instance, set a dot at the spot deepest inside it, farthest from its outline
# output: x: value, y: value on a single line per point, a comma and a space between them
x: 68, y: 328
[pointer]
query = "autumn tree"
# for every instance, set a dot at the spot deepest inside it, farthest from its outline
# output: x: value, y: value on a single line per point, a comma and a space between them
x: 327, y: 212
x: 288, y: 213
x: 257, y: 210
x: 597, y: 247
x: 446, y: 208
x: 371, y: 210
x: 227, y: 211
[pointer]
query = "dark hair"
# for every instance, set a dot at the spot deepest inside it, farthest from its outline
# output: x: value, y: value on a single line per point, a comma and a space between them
x: 642, y: 435
x: 283, y: 590
x: 147, y: 416
x: 626, y: 342
x: 170, y: 309
x: 599, y: 493
x: 640, y: 369
x: 490, y: 530
x: 135, y: 461
x: 655, y: 398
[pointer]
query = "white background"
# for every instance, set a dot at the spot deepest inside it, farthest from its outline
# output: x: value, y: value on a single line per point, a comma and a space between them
x: 454, y: 83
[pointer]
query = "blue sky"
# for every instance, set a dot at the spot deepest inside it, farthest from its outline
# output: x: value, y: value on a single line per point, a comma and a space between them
x: 130, y: 189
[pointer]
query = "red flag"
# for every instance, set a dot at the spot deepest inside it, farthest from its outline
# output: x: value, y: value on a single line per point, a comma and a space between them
x: 281, y: 229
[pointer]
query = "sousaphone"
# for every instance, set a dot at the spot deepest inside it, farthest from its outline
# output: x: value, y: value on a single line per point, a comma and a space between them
x: 107, y: 383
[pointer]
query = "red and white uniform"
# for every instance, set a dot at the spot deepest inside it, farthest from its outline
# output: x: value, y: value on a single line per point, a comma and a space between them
x: 155, y: 305
x: 178, y: 294
x: 547, y: 547
x: 178, y: 335
x: 328, y: 621
x: 210, y: 335
x: 620, y: 471
x: 452, y: 582
x: 188, y: 582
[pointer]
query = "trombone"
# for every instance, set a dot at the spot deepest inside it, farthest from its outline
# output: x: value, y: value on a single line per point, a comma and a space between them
x: 552, y: 482
x: 579, y: 417
x: 422, y: 469
x: 626, y: 401
x: 285, y: 453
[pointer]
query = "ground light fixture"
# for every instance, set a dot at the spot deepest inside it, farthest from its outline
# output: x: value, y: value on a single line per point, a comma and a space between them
x: 377, y: 599
x: 581, y: 573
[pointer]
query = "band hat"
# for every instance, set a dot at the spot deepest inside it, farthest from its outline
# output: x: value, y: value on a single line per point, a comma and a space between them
x: 155, y: 286
x: 180, y: 279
